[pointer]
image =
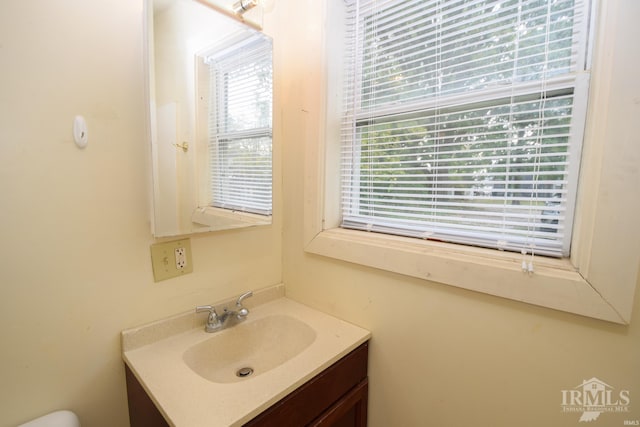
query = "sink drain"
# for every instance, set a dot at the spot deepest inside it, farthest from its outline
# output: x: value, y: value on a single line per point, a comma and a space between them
x: 244, y: 372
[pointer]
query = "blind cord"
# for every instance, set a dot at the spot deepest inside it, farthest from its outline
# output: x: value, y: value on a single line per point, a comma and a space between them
x: 538, y: 142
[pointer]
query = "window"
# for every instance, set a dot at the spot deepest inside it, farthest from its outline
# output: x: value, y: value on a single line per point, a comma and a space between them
x: 240, y: 130
x: 598, y: 279
x: 463, y: 120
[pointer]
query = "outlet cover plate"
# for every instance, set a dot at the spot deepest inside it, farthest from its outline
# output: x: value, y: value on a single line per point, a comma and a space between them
x: 163, y: 259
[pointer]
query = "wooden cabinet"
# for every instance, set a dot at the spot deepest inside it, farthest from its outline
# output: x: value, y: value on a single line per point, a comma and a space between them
x: 142, y: 410
x: 337, y: 397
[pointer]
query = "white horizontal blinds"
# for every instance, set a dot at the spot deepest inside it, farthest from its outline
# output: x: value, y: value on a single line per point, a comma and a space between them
x: 240, y: 128
x: 459, y: 121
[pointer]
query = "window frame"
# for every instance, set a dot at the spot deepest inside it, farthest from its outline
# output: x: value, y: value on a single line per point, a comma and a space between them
x: 598, y: 280
x: 570, y: 80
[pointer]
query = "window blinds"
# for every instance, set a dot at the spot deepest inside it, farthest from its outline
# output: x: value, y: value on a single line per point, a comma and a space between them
x: 463, y: 120
x: 240, y: 127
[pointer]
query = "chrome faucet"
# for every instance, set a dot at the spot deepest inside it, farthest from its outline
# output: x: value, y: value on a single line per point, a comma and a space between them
x: 228, y: 318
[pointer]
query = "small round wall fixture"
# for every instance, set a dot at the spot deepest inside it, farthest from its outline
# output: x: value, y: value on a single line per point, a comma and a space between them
x: 80, y: 131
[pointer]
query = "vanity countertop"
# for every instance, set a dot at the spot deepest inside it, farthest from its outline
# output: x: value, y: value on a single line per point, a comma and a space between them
x: 154, y: 353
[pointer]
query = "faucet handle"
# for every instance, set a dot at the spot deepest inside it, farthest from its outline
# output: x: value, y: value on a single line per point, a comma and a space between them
x: 243, y: 297
x: 210, y: 309
x: 213, y: 322
x: 242, y: 311
x: 203, y: 308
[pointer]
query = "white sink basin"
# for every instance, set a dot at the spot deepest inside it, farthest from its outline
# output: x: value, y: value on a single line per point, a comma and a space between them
x: 249, y: 348
x: 191, y: 375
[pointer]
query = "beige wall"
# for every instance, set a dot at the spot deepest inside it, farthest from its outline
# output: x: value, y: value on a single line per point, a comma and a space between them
x: 74, y: 224
x: 75, y: 253
x: 442, y: 356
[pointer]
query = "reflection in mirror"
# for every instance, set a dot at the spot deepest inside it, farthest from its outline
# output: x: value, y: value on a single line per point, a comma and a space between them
x: 210, y: 98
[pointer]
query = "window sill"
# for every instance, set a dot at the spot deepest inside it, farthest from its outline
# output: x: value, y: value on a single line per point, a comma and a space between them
x: 554, y: 284
x: 223, y: 219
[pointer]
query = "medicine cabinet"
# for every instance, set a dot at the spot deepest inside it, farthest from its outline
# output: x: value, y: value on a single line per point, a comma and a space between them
x: 210, y: 117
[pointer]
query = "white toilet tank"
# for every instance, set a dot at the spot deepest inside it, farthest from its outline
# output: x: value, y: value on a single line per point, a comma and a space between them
x: 55, y: 419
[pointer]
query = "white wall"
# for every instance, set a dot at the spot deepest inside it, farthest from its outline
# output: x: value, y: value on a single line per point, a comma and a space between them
x: 442, y: 356
x: 74, y: 263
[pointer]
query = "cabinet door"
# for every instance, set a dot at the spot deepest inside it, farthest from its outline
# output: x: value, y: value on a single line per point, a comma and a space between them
x: 350, y: 411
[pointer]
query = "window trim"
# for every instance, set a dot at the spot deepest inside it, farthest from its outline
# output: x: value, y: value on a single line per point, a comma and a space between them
x: 599, y: 279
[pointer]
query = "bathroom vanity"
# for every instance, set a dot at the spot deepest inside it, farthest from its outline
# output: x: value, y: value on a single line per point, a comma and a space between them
x: 335, y: 397
x: 286, y: 364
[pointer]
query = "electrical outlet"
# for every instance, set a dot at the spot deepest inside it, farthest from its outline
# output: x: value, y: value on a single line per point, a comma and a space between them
x: 181, y: 258
x: 171, y: 259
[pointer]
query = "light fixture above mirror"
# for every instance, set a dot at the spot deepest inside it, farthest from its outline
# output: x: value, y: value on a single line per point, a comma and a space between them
x: 242, y: 6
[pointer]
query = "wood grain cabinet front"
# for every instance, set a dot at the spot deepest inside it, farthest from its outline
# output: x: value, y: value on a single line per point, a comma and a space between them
x: 335, y: 397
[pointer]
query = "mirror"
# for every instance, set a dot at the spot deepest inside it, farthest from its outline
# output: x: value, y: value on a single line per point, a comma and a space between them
x: 210, y: 117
